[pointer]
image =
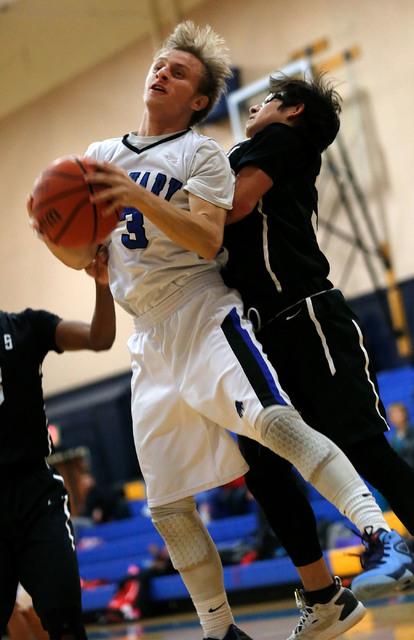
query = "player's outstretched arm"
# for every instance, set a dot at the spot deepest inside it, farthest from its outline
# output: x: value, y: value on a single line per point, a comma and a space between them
x: 99, y: 335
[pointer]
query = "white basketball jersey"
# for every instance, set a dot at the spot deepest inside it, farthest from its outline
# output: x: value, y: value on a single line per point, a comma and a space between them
x: 145, y: 266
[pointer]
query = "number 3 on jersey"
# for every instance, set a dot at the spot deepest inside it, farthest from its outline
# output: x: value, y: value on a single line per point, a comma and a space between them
x: 135, y: 238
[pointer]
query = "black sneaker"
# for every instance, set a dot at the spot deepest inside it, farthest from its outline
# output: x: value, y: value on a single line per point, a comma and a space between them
x: 329, y: 620
x: 234, y: 633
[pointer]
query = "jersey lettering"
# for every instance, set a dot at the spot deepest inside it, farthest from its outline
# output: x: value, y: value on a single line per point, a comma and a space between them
x: 159, y: 183
x: 144, y: 180
x: 8, y: 342
x: 135, y: 237
x: 173, y: 187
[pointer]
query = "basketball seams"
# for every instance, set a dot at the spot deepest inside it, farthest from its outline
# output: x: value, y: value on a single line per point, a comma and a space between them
x: 61, y: 205
x: 56, y: 197
x: 54, y: 173
x: 76, y: 177
x: 69, y: 221
x: 91, y: 191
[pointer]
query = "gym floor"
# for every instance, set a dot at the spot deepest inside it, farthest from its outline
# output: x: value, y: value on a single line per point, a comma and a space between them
x: 391, y: 619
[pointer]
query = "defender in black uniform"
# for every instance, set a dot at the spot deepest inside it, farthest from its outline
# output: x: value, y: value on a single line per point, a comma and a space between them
x: 308, y: 331
x: 37, y: 546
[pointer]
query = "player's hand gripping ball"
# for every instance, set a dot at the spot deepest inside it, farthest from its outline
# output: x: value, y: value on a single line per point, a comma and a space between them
x: 61, y: 209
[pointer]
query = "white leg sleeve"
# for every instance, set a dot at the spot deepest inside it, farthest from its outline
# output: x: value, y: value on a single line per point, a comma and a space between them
x: 320, y: 462
x: 195, y: 556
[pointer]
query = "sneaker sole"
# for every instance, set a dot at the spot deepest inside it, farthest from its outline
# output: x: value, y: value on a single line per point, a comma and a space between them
x: 381, y: 588
x: 340, y: 626
x: 343, y: 625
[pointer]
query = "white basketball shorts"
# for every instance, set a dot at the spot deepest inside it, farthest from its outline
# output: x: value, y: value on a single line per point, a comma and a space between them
x: 197, y: 371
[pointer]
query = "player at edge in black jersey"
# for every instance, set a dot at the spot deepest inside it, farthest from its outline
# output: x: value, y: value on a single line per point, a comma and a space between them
x: 37, y: 546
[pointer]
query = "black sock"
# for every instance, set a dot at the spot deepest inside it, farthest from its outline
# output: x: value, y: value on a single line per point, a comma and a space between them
x: 322, y: 596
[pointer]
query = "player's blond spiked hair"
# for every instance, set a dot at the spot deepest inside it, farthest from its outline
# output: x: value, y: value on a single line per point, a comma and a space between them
x: 210, y: 49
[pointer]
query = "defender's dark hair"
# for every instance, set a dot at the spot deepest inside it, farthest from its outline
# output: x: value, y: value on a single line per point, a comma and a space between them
x: 319, y: 120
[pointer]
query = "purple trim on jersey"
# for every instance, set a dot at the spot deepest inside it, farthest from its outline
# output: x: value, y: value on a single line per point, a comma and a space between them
x: 257, y: 355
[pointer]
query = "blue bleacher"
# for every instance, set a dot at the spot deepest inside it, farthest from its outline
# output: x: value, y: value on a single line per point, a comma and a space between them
x: 98, y: 598
x: 135, y: 544
x: 262, y: 573
x: 398, y: 386
x: 125, y: 543
x: 111, y: 559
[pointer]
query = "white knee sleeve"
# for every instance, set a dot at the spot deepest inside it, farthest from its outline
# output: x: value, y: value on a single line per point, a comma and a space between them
x: 184, y: 533
x: 322, y: 463
x: 284, y: 431
x: 195, y: 556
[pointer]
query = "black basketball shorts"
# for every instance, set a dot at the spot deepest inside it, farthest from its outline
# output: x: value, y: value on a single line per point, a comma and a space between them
x: 37, y: 546
x: 318, y: 350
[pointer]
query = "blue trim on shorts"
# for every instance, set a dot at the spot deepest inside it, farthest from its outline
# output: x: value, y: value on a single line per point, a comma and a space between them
x: 251, y: 360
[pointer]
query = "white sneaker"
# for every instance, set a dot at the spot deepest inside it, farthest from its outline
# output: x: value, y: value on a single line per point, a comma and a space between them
x: 326, y: 621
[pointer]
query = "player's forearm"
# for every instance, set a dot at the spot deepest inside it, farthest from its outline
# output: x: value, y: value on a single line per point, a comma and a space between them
x: 99, y: 334
x: 251, y: 185
x: 103, y: 325
x: 243, y: 205
x: 200, y: 231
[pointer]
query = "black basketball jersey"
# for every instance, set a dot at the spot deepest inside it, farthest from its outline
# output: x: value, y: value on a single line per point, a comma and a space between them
x: 25, y: 339
x: 274, y: 258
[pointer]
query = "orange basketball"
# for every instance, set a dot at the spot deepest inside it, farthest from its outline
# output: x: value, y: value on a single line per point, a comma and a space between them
x: 61, y: 208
